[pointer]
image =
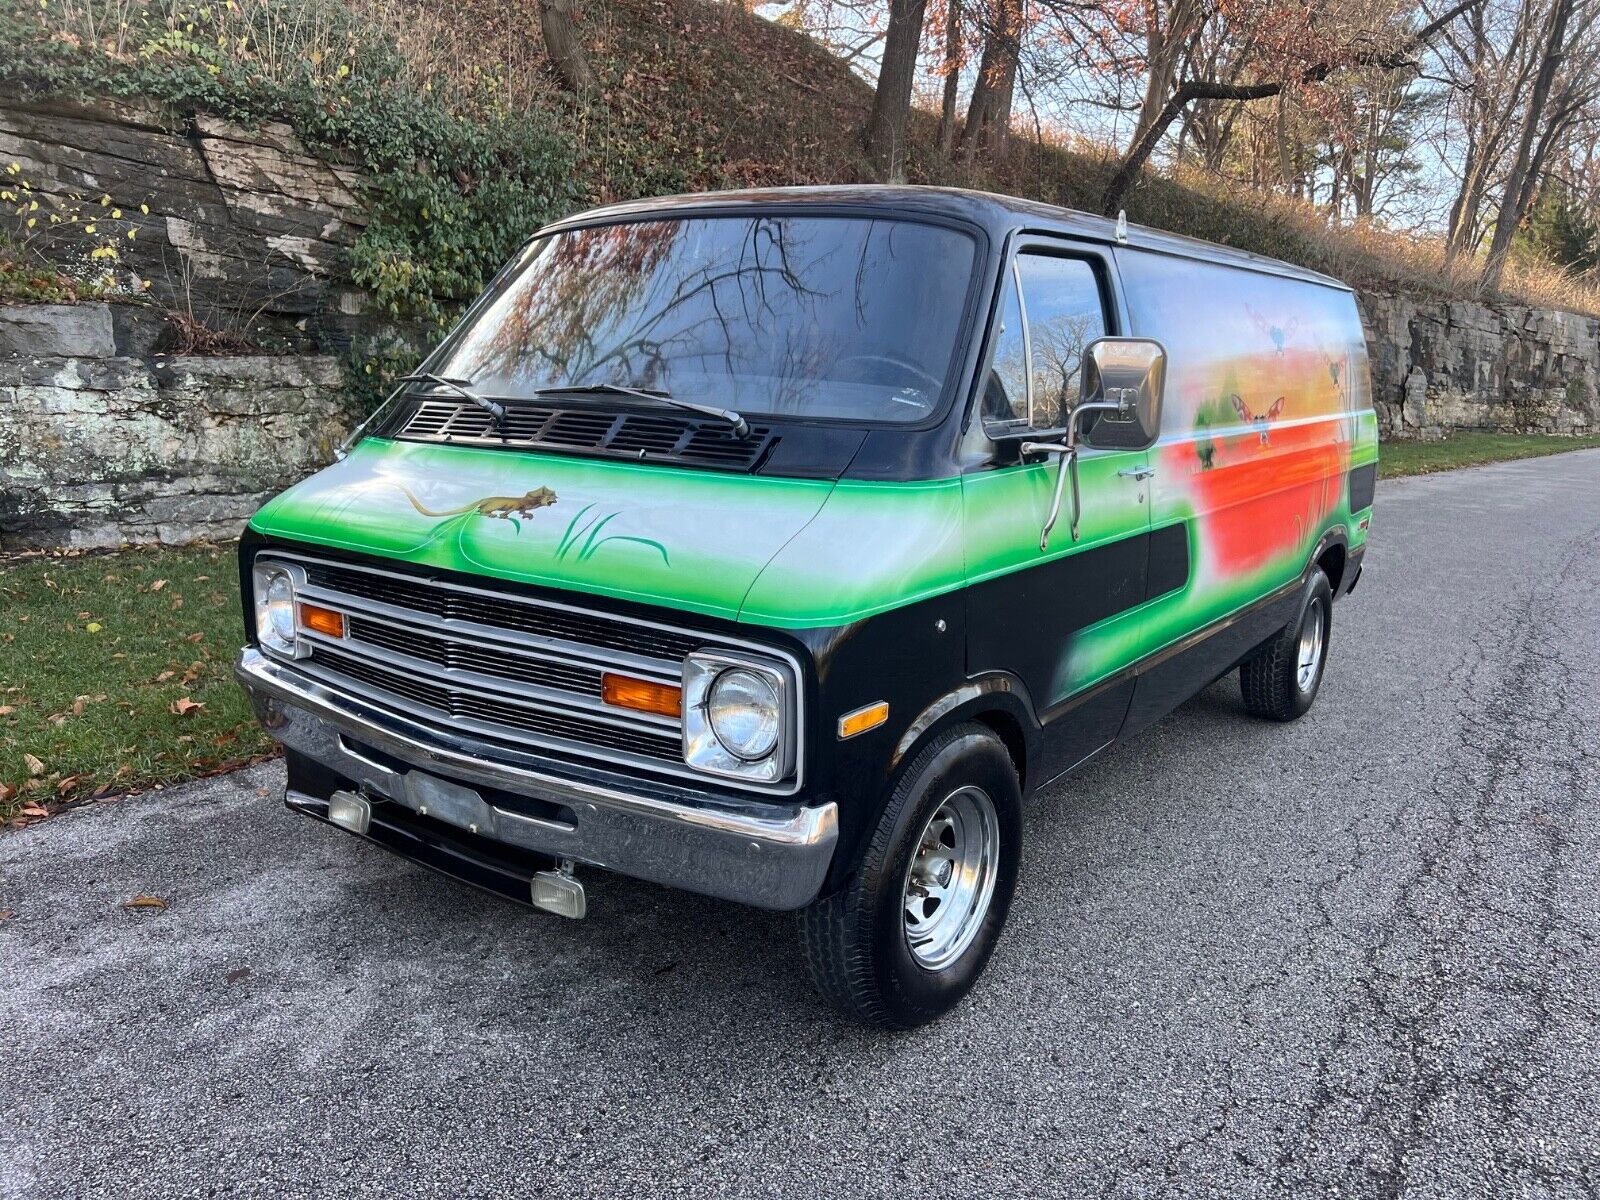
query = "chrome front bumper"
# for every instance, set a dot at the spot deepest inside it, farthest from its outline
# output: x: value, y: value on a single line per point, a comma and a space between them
x: 771, y: 855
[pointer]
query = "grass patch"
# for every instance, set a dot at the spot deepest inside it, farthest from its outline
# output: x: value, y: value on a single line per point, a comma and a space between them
x: 1397, y: 459
x: 98, y: 657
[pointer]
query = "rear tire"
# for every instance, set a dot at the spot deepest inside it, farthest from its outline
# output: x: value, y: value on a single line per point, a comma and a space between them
x: 1281, y: 681
x: 911, y: 930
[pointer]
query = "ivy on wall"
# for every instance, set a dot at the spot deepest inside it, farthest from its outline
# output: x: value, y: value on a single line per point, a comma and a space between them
x: 451, y: 193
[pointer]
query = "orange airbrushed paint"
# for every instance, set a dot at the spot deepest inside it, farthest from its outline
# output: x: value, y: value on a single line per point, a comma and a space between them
x: 1270, y: 482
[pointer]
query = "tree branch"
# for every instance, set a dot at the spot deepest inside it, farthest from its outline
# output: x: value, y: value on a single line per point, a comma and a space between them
x: 1205, y: 89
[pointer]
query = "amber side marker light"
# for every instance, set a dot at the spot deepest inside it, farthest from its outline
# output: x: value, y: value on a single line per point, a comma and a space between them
x: 863, y: 719
x: 641, y: 695
x: 321, y: 620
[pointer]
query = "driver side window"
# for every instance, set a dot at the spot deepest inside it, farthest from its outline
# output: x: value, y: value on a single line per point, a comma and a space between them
x: 1044, y: 327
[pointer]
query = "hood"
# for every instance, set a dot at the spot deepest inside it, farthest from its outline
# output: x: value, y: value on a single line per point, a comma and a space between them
x: 693, y: 540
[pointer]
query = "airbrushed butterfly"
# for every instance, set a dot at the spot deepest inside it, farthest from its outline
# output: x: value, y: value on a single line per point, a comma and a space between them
x: 1259, y: 420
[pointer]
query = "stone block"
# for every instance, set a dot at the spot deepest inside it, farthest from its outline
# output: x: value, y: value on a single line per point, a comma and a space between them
x: 57, y: 330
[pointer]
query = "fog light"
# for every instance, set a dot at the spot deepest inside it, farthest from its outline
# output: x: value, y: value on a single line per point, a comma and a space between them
x: 350, y: 811
x: 559, y: 892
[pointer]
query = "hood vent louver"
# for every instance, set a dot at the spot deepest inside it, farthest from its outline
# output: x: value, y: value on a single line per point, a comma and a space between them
x: 627, y: 434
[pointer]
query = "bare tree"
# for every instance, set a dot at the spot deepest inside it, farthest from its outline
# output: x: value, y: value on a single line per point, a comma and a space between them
x: 1567, y: 80
x: 1350, y: 48
x: 989, y: 111
x: 1487, y: 61
x: 891, y: 102
x: 951, y: 68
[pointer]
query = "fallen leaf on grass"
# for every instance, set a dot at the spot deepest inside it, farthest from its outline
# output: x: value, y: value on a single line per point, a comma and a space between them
x: 33, y: 810
x: 6, y: 792
x: 164, y: 676
x: 35, y: 767
x: 6, y: 710
x: 195, y: 637
x: 158, y: 585
x: 145, y: 902
x: 186, y: 706
x: 94, y: 627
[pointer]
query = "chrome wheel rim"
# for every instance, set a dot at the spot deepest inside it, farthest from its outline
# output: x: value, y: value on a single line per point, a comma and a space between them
x: 950, y: 879
x: 1310, y: 654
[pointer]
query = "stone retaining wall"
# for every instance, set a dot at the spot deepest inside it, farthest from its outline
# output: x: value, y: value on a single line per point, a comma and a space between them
x: 230, y: 223
x: 1440, y: 365
x: 98, y: 449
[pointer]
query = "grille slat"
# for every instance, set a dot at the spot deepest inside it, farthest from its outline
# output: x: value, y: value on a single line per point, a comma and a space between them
x: 500, y: 664
x: 650, y: 437
x: 589, y: 629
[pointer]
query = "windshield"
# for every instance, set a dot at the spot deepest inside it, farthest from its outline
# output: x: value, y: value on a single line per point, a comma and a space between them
x: 802, y: 316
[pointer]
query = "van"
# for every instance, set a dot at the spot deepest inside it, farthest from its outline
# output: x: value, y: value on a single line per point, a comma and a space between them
x: 777, y: 545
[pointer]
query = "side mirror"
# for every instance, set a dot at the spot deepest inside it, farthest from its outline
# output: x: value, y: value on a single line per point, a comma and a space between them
x: 1125, y: 376
x: 1119, y: 408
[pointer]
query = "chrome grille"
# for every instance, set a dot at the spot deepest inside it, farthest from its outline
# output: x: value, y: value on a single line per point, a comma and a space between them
x: 502, y: 667
x: 650, y: 437
x: 496, y: 711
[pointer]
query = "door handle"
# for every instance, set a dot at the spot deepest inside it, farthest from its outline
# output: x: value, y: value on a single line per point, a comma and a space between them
x: 1136, y: 472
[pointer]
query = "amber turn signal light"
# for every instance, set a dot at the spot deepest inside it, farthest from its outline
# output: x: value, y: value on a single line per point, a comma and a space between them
x: 863, y: 719
x: 321, y: 620
x: 641, y: 695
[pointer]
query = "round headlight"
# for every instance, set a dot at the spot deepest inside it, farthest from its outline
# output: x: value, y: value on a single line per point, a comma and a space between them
x: 743, y: 709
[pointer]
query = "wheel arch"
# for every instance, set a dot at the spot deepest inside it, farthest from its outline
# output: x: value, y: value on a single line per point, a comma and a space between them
x: 997, y: 700
x: 1331, y: 557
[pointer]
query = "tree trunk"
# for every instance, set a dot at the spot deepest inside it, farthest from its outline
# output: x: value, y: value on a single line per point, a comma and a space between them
x: 989, y: 113
x: 562, y: 45
x: 1287, y: 173
x: 1163, y: 50
x: 1519, y: 181
x: 891, y: 103
x: 952, y: 76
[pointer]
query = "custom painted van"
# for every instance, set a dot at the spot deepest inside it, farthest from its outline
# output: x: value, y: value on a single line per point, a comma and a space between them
x: 777, y: 545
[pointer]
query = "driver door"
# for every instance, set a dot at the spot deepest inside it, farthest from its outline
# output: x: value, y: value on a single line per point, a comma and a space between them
x: 1058, y: 617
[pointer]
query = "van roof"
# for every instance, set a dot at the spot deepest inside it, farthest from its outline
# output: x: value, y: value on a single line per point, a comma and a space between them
x: 997, y: 214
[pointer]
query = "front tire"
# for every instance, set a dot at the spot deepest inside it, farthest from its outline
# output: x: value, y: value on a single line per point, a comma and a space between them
x: 1281, y: 681
x: 912, y: 929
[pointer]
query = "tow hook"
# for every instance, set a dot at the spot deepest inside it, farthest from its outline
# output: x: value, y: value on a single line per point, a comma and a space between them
x: 559, y: 891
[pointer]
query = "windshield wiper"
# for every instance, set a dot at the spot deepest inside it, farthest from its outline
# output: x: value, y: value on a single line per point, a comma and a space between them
x: 737, y: 423
x: 497, y: 412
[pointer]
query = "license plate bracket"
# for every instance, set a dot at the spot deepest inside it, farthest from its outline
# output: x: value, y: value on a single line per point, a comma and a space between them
x: 453, y: 803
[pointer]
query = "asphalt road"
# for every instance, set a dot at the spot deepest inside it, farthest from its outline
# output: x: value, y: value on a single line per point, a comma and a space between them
x: 1358, y: 955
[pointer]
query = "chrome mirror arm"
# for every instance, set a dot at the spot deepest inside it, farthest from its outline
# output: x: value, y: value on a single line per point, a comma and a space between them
x: 1068, y: 452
